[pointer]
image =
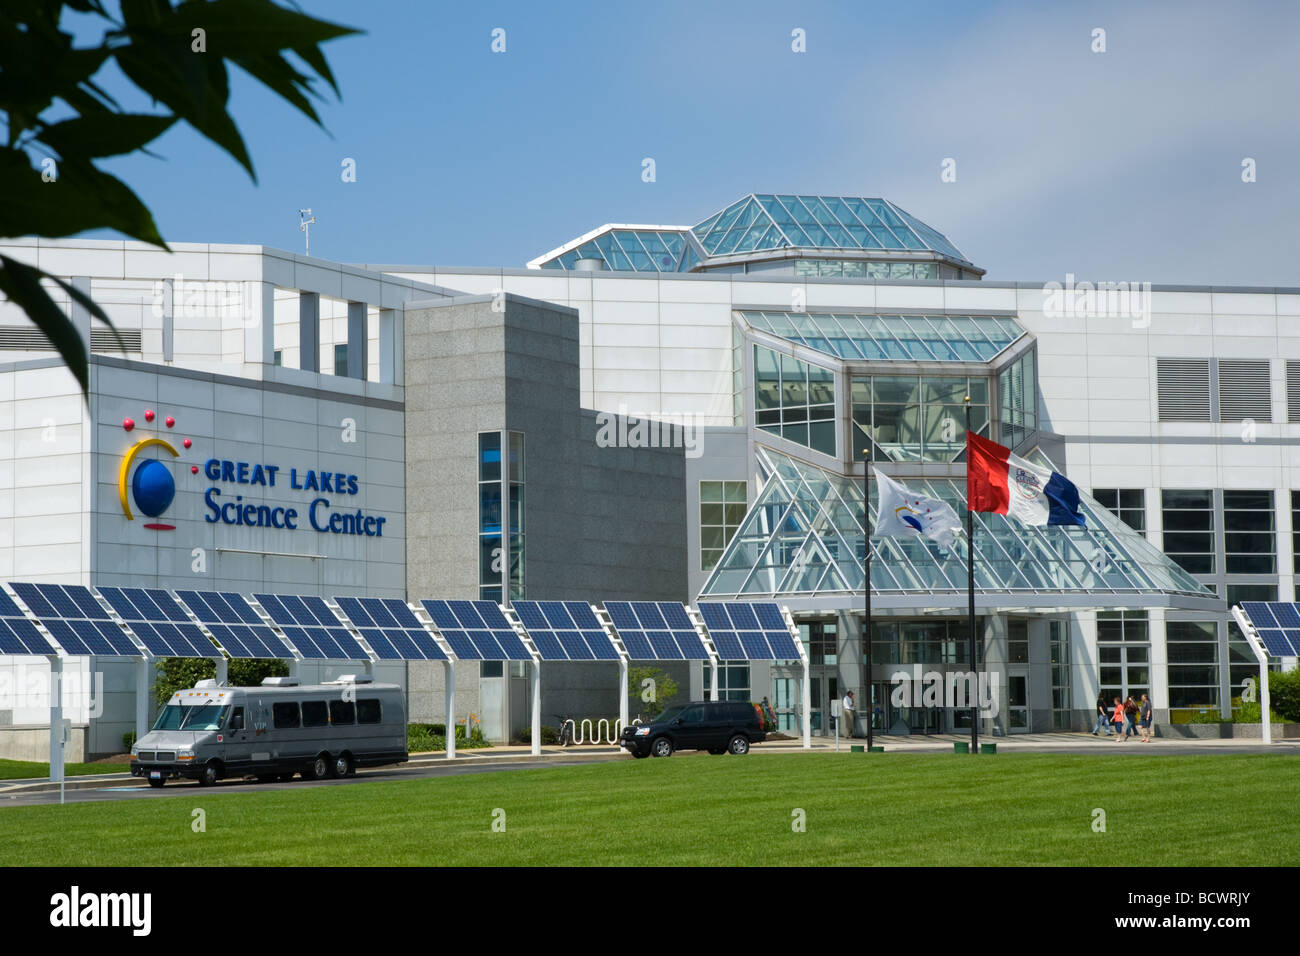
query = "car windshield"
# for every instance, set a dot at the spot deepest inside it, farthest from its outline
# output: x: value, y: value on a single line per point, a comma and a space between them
x: 190, y: 717
x: 670, y: 713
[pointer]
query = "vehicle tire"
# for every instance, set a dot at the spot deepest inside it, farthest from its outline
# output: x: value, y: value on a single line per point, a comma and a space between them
x: 738, y: 745
x: 156, y: 783
x: 318, y: 769
x: 341, y: 766
x: 662, y: 747
x: 717, y: 750
x: 211, y: 774
x: 639, y: 755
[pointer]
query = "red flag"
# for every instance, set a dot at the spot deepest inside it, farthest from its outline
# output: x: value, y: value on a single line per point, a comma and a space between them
x: 986, y: 475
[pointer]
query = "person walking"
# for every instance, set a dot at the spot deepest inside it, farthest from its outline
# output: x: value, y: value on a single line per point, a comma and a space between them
x: 1103, y: 719
x: 1117, y: 718
x: 1130, y: 718
x: 1144, y: 716
x: 846, y: 709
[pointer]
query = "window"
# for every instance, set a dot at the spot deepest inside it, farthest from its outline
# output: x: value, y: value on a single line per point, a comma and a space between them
x: 1295, y: 528
x: 342, y: 712
x: 369, y: 711
x: 341, y: 359
x: 795, y: 400
x: 236, y: 720
x: 722, y: 509
x: 491, y: 669
x: 821, y: 639
x: 913, y: 418
x: 284, y: 714
x: 279, y: 357
x: 315, y: 713
x: 1249, y: 542
x: 516, y: 478
x: 1183, y: 390
x: 491, y: 553
x: 1017, y: 641
x: 1129, y: 626
x: 1124, y: 654
x: 1188, y: 518
x: 1193, y: 649
x: 693, y: 715
x: 1126, y: 504
x: 923, y: 642
x: 1018, y: 400
x: 733, y: 680
x: 1058, y: 645
x: 862, y: 270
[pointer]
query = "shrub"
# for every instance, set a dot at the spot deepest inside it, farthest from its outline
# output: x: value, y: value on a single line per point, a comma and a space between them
x: 665, y: 689
x: 549, y: 735
x: 1284, y: 694
x: 178, y: 673
x: 420, y: 738
x: 1251, y: 713
x: 128, y: 741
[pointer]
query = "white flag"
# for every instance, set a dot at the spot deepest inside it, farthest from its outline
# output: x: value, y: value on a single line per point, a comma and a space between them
x: 904, y: 513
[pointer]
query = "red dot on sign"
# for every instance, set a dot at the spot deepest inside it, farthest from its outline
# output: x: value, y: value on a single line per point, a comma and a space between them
x: 194, y: 469
x: 128, y: 423
x: 148, y: 414
x: 188, y: 443
x: 169, y: 421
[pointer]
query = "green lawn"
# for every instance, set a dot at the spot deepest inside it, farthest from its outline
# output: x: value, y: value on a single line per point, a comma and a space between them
x: 21, y: 769
x: 889, y: 809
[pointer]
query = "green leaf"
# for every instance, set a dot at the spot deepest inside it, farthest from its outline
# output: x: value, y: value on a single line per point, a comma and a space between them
x: 104, y: 134
x: 22, y: 284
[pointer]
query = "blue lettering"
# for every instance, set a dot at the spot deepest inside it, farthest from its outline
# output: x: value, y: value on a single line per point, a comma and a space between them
x: 207, y: 499
x: 258, y: 477
x: 311, y: 513
x: 380, y: 532
x: 310, y: 484
x: 370, y: 526
x: 271, y: 470
x: 289, y: 515
x: 352, y: 484
x: 212, y: 468
x: 227, y: 471
x: 293, y: 479
x: 242, y: 473
x: 325, y: 481
x: 225, y: 513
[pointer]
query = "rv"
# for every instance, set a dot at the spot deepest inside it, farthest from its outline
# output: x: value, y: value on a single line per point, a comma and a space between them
x: 271, y: 732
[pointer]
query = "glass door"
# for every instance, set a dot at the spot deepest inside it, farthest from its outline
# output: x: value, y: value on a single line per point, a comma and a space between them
x: 1018, y: 700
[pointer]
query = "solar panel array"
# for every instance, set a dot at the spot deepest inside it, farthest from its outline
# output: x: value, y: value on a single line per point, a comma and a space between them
x: 161, y: 624
x: 1278, y: 625
x: 76, y: 620
x: 18, y: 635
x: 477, y: 630
x: 391, y: 628
x: 745, y: 631
x: 565, y: 631
x: 312, y: 627
x: 656, y: 631
x: 235, y: 625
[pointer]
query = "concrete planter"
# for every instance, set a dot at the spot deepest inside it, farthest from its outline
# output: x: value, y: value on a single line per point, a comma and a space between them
x: 1225, y: 730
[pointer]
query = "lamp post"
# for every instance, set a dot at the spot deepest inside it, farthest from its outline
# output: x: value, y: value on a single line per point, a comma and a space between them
x: 970, y: 590
x: 866, y: 590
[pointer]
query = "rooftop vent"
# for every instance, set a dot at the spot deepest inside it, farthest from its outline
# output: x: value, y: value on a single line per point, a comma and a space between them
x: 279, y: 682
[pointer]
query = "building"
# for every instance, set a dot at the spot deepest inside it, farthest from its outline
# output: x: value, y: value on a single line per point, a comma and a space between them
x: 679, y: 413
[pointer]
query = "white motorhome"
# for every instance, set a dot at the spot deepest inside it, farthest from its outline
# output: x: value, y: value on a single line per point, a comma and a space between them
x: 271, y: 732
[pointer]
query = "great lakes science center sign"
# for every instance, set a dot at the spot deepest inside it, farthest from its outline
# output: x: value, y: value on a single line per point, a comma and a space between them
x: 230, y: 507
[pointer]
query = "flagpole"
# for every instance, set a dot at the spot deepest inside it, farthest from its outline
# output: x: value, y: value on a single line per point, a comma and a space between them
x: 973, y: 687
x: 866, y: 589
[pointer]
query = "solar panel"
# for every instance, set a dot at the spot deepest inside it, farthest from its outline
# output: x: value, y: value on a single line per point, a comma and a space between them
x: 18, y: 635
x: 74, y: 618
x: 565, y: 630
x: 476, y: 630
x: 153, y: 616
x: 656, y: 630
x: 1278, y: 625
x: 749, y: 631
x: 391, y: 628
x: 238, y: 628
x: 311, y: 627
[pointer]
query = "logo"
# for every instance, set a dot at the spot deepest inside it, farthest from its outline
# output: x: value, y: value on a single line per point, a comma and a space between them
x: 152, y: 486
x: 910, y: 516
x: 1028, y: 484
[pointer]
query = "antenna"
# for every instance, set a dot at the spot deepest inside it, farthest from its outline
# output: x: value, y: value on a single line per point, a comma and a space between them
x: 304, y: 223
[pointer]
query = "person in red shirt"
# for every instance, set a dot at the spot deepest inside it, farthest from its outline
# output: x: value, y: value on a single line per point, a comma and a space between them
x: 1117, y: 718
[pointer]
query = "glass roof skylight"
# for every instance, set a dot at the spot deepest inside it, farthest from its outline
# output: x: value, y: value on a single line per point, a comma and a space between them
x: 633, y: 250
x: 758, y: 223
x: 903, y: 338
x: 803, y: 538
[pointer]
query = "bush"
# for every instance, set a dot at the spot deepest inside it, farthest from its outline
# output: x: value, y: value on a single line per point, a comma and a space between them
x: 421, y: 738
x: 1251, y: 713
x: 549, y: 735
x: 1284, y: 694
x: 128, y: 741
x: 178, y: 673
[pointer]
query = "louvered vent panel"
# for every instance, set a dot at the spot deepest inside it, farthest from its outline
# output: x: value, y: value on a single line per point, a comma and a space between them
x: 1244, y: 390
x: 1183, y: 389
x: 17, y: 338
x: 1293, y: 392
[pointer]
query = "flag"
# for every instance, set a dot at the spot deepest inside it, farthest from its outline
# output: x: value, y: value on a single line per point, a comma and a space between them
x: 904, y: 512
x: 998, y: 481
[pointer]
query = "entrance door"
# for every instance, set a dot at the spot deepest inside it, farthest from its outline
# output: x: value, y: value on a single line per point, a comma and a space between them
x: 1017, y: 700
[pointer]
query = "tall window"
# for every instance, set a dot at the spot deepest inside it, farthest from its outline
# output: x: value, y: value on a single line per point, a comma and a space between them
x: 1248, y: 533
x: 1193, y: 649
x: 341, y: 359
x: 1126, y: 504
x: 491, y: 552
x: 795, y: 400
x: 1295, y: 525
x: 722, y: 509
x: 913, y: 418
x: 1058, y: 645
x: 1017, y: 641
x: 923, y: 642
x: 821, y: 638
x: 515, y: 477
x: 1124, y: 652
x: 1018, y: 400
x: 1188, y: 519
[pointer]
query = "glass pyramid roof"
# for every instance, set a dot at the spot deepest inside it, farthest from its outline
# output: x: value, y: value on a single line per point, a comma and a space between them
x: 903, y: 338
x: 759, y: 222
x: 633, y: 250
x: 803, y: 538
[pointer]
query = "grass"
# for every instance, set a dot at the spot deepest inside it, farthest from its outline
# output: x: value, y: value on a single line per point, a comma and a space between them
x: 904, y: 809
x: 21, y: 769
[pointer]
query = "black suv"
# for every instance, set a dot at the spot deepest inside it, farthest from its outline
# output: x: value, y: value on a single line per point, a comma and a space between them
x: 716, y: 726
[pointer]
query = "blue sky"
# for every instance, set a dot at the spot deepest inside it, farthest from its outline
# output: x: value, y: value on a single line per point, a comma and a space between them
x: 1122, y: 165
